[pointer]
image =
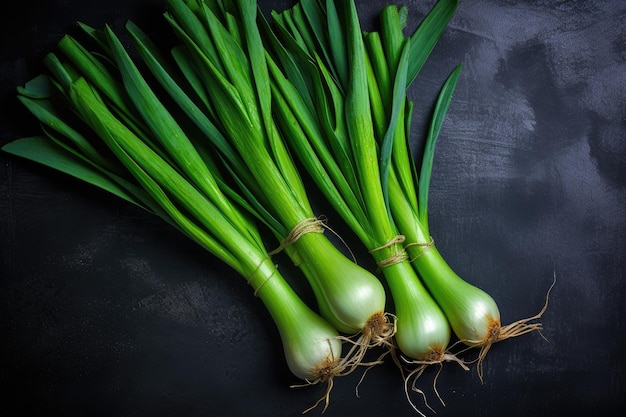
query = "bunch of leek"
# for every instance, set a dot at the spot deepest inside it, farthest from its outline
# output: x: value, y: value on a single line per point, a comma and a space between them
x: 104, y: 124
x: 322, y: 86
x: 309, y: 44
x: 328, y: 124
x: 313, y: 83
x: 472, y: 313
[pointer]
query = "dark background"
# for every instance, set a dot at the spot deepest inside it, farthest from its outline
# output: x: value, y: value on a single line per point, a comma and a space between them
x: 106, y: 311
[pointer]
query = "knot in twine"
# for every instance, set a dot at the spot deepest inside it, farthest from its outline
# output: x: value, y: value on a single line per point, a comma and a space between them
x: 398, y: 257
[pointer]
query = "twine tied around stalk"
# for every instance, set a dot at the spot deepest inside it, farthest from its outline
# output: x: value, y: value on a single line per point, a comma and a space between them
x: 423, y: 245
x: 399, y: 256
x: 255, y: 287
x: 310, y: 225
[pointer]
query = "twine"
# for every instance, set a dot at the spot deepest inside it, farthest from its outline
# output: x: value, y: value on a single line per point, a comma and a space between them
x: 311, y: 225
x: 254, y: 273
x: 423, y: 245
x: 398, y: 257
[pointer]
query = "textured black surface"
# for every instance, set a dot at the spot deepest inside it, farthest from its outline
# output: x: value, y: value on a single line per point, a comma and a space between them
x: 105, y: 311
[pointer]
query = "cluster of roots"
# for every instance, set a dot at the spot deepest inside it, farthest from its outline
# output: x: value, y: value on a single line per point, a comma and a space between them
x: 498, y: 333
x: 379, y: 332
x: 412, y: 370
x: 417, y: 367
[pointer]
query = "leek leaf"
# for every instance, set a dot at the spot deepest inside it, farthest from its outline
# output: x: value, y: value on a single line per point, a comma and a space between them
x: 439, y: 114
x: 42, y: 150
x: 397, y: 105
x: 427, y: 34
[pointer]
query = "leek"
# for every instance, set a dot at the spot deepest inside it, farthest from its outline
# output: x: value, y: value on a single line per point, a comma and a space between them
x: 139, y: 152
x: 472, y: 313
x: 218, y: 164
x: 373, y: 140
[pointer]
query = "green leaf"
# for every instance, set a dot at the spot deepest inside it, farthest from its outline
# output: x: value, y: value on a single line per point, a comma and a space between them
x: 157, y: 65
x: 380, y: 71
x: 187, y: 65
x: 392, y: 37
x: 300, y: 28
x: 181, y: 15
x: 165, y: 75
x: 439, y: 114
x: 302, y: 130
x: 44, y: 151
x: 331, y: 114
x: 161, y: 180
x: 337, y: 43
x: 238, y: 69
x: 321, y: 30
x: 397, y: 106
x: 95, y: 71
x: 168, y: 131
x: 37, y: 88
x: 291, y: 59
x: 47, y: 114
x: 425, y: 37
x: 360, y: 129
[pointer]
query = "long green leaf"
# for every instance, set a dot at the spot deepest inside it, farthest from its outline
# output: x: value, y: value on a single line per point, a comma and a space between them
x: 166, y: 128
x: 288, y: 61
x: 359, y: 122
x: 189, y: 23
x: 166, y: 77
x: 305, y: 136
x: 426, y: 36
x: 397, y: 106
x: 232, y: 162
x: 331, y: 114
x: 439, y: 114
x: 260, y: 71
x: 44, y: 151
x: 337, y: 43
x: 392, y: 36
x: 95, y: 71
x: 44, y: 112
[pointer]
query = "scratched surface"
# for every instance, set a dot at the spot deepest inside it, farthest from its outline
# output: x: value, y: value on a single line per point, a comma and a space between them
x: 106, y: 311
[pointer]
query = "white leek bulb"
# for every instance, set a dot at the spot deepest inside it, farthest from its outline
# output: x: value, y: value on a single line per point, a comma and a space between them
x: 423, y: 332
x: 349, y: 296
x: 311, y: 345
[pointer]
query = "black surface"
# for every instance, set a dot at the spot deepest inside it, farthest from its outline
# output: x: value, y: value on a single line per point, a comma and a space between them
x: 105, y: 311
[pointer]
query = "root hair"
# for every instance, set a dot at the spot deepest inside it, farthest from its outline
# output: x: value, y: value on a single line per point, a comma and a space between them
x: 518, y: 328
x: 410, y: 379
x: 379, y: 331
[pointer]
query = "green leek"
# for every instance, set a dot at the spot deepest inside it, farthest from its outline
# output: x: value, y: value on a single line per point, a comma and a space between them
x: 134, y: 152
x: 472, y: 313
